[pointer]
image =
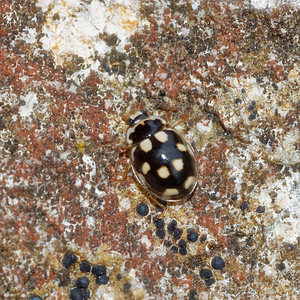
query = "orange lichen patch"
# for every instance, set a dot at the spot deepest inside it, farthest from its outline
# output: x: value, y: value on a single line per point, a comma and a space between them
x: 187, y: 280
x: 240, y: 277
x: 22, y: 74
x: 5, y: 27
x: 127, y: 18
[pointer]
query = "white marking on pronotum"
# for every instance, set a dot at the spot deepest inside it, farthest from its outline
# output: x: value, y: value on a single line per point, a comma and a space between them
x: 188, y: 182
x: 146, y: 145
x: 177, y: 164
x: 163, y: 172
x: 161, y: 136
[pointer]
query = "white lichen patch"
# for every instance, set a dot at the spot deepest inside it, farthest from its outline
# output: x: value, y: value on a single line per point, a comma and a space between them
x: 281, y: 198
x: 74, y: 27
x: 265, y: 4
x: 263, y: 116
x: 28, y: 101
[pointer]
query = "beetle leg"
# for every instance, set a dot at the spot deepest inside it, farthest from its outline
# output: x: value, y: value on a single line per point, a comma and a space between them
x: 125, y: 173
x: 156, y: 202
x: 124, y: 150
x: 183, y: 119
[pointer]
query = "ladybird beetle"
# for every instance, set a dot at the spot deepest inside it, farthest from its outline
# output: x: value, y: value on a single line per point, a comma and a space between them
x: 162, y: 161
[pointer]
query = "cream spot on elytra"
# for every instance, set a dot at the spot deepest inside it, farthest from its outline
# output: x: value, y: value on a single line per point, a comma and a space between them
x: 146, y: 145
x: 161, y: 136
x: 188, y: 182
x: 177, y: 164
x: 170, y: 192
x: 146, y: 168
x: 181, y: 147
x: 163, y: 172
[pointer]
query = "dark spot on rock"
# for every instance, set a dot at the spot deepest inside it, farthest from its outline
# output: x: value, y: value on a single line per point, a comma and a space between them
x: 69, y: 259
x: 142, y: 209
x: 280, y: 266
x: 177, y: 233
x: 63, y: 277
x: 174, y: 249
x: 160, y: 233
x: 210, y: 281
x: 260, y: 209
x: 192, y: 235
x: 126, y: 287
x: 172, y: 226
x: 206, y: 273
x: 252, y: 106
x: 244, y: 205
x: 238, y: 100
x: 84, y: 266
x: 203, y: 238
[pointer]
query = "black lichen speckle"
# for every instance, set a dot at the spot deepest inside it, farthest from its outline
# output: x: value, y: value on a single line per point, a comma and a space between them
x: 160, y: 233
x: 218, y: 263
x: 159, y: 223
x: 177, y: 233
x: 85, y: 266
x: 142, y: 209
x: 69, y: 259
x: 192, y: 235
x: 206, y: 273
x: 172, y: 226
x: 102, y: 280
x: 99, y: 270
x: 210, y: 281
x: 82, y: 282
x: 260, y: 209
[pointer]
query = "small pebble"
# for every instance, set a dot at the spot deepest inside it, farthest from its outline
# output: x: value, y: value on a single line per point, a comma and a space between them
x: 126, y: 287
x: 160, y: 233
x: 119, y: 276
x: 69, y: 259
x: 98, y: 270
x: 172, y: 226
x: 103, y: 279
x: 142, y: 209
x: 177, y: 233
x: 84, y: 266
x: 217, y: 263
x: 192, y: 235
x: 210, y: 281
x: 206, y: 273
x: 159, y: 223
x: 82, y: 282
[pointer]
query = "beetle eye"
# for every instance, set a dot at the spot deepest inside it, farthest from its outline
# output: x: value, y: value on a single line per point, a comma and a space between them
x: 137, y: 117
x: 130, y: 122
x: 144, y: 113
